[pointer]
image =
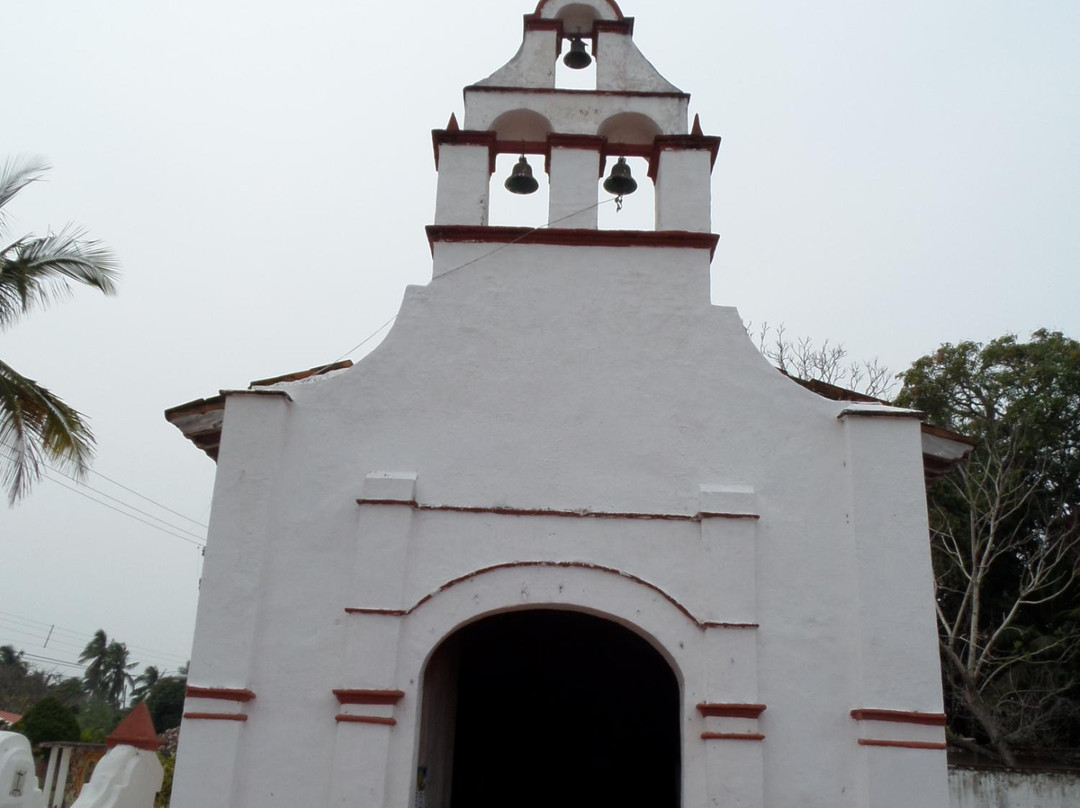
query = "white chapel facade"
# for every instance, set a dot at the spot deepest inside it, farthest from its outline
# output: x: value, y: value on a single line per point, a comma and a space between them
x: 564, y: 538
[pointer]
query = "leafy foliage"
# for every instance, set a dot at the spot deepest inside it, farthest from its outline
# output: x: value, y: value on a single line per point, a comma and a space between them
x: 36, y: 426
x: 49, y: 720
x: 1005, y: 533
x: 166, y: 702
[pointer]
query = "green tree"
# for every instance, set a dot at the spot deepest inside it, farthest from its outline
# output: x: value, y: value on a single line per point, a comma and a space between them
x: 95, y: 654
x: 117, y: 673
x: 1005, y: 536
x: 144, y: 682
x: 48, y: 720
x: 166, y: 702
x: 36, y: 426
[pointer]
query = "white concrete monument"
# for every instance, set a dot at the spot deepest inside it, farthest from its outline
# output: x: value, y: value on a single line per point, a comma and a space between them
x: 18, y: 781
x: 565, y: 538
x: 130, y: 774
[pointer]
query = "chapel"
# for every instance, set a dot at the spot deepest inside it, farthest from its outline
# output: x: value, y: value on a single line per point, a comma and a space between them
x: 564, y: 538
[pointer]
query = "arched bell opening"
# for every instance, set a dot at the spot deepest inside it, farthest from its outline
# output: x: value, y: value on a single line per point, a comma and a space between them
x: 508, y: 208
x: 522, y: 208
x: 638, y: 209
x: 546, y: 707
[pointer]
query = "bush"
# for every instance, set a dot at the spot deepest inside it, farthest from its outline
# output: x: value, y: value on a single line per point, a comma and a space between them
x: 49, y: 720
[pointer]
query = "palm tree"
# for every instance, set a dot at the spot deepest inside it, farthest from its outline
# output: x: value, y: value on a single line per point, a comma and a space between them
x: 36, y: 426
x: 144, y: 682
x: 95, y: 653
x: 117, y: 677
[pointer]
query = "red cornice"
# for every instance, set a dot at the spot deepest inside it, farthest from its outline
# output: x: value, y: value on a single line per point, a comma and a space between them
x: 464, y: 137
x: 661, y: 143
x: 681, y: 239
x: 222, y: 693
x: 732, y: 736
x: 900, y: 717
x: 369, y: 696
x: 217, y: 716
x: 484, y: 88
x: 364, y: 719
x: 731, y: 710
x: 902, y: 744
x: 614, y: 7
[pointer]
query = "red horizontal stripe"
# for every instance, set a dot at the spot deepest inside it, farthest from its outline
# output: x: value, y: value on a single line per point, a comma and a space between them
x: 369, y: 696
x: 900, y: 717
x: 901, y: 744
x: 217, y: 716
x: 731, y: 710
x: 365, y: 719
x: 732, y: 736
x: 222, y: 693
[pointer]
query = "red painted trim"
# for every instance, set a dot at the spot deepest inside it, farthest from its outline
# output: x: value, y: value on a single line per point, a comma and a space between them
x: 583, y: 514
x: 731, y: 710
x: 138, y: 743
x: 590, y: 142
x: 222, y: 693
x: 464, y: 137
x: 217, y: 716
x: 369, y: 696
x: 551, y: 565
x: 664, y: 143
x: 901, y: 744
x: 365, y: 719
x: 537, y: 147
x: 612, y: 3
x: 682, y: 239
x: 624, y: 26
x: 732, y: 736
x: 483, y: 88
x: 900, y: 717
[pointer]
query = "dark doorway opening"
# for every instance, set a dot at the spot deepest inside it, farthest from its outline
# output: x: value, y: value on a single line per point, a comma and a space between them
x: 549, y: 709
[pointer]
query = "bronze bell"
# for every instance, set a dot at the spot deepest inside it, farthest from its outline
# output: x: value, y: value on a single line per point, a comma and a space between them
x: 521, y: 179
x: 578, y: 58
x: 619, y: 181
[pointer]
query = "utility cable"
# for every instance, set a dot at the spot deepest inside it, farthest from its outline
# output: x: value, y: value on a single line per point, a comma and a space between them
x: 199, y: 544
x: 199, y: 541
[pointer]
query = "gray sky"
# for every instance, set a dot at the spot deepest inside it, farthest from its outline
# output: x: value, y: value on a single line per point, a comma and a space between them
x: 892, y: 176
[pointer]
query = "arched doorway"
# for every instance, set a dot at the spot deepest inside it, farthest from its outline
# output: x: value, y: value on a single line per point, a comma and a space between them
x: 548, y: 709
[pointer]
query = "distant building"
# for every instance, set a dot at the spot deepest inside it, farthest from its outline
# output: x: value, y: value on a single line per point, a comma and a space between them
x: 565, y: 538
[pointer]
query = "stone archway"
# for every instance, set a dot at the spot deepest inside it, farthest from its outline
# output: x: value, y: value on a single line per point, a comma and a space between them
x: 540, y: 708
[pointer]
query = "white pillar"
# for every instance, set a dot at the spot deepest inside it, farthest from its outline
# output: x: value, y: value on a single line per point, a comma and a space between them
x: 574, y: 169
x: 464, y: 178
x: 683, y: 190
x: 901, y: 758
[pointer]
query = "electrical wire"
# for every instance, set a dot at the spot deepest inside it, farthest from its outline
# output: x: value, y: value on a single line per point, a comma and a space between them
x: 199, y: 544
x: 143, y: 496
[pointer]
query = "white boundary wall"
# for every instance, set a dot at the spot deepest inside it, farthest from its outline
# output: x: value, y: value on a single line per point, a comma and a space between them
x: 982, y: 788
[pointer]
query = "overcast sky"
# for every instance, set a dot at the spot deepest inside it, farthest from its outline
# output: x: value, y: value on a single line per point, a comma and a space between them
x: 892, y: 176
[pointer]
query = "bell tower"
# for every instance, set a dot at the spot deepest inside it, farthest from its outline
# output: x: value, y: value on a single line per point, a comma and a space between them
x: 564, y: 537
x: 579, y: 135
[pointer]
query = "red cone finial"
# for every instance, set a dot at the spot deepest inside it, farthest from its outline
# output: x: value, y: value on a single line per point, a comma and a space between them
x: 137, y: 730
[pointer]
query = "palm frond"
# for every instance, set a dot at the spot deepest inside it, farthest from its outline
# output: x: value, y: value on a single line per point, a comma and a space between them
x: 37, y: 427
x: 16, y: 175
x: 36, y: 270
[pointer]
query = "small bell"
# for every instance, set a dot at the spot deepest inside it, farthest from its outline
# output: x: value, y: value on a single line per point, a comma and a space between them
x: 578, y: 58
x: 521, y: 179
x: 619, y: 181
